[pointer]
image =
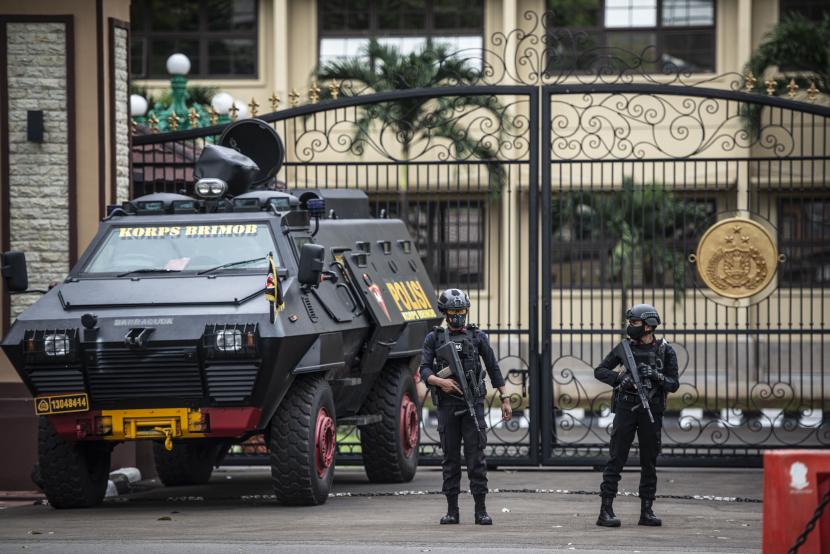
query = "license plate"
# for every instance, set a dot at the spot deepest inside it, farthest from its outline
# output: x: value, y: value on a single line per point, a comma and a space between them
x: 62, y: 403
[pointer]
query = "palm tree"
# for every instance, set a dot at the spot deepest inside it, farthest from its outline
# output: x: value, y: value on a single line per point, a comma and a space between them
x: 420, y: 121
x: 796, y: 48
x: 646, y: 230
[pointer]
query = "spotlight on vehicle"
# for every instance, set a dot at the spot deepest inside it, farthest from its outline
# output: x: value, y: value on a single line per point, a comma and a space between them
x: 211, y: 187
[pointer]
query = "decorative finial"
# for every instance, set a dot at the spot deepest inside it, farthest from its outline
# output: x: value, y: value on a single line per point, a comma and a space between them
x: 154, y: 123
x: 275, y: 102
x: 314, y: 92
x: 194, y: 118
x: 173, y: 121
x: 749, y: 84
x: 214, y: 117
x: 294, y: 98
x: 253, y: 105
x: 792, y: 88
x: 812, y: 92
x: 771, y: 85
x: 334, y: 89
x: 234, y: 111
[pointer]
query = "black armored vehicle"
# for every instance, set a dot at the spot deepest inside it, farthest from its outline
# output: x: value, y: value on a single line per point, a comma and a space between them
x: 198, y: 322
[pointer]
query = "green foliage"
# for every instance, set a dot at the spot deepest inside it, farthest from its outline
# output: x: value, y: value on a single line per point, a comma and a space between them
x: 798, y: 49
x: 200, y: 94
x: 197, y: 95
x: 640, y: 223
x: 419, y: 119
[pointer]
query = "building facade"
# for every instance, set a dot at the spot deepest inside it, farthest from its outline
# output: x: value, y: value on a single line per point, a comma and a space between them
x: 255, y: 48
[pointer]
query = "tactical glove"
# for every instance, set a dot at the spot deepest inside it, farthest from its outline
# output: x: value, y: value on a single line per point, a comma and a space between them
x: 625, y: 382
x: 648, y: 372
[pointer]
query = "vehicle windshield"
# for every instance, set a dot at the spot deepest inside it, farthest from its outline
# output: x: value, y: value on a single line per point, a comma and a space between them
x: 183, y: 248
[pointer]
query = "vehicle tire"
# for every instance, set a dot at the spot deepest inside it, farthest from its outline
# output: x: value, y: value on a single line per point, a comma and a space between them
x: 189, y: 463
x: 390, y: 447
x: 73, y: 474
x: 303, y: 443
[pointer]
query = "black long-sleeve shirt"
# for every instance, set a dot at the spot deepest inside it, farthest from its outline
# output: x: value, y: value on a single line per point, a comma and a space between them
x: 606, y: 370
x: 482, y: 344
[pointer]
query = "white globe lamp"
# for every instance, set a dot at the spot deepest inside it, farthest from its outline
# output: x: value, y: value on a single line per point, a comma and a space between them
x: 242, y: 108
x: 178, y: 64
x: 138, y: 105
x: 221, y: 103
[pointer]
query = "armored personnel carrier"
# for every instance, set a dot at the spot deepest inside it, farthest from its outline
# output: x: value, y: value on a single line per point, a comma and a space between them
x: 197, y: 322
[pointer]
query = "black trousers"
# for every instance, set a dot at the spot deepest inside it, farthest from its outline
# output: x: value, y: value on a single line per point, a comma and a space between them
x: 626, y: 425
x: 455, y: 425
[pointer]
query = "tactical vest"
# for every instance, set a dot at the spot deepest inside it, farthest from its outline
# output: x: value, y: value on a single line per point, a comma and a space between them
x: 467, y: 350
x: 654, y: 358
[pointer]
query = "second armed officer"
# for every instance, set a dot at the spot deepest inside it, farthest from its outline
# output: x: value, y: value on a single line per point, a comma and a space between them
x: 454, y: 420
x: 656, y: 365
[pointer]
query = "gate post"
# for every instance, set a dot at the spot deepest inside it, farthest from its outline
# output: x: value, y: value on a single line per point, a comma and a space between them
x: 536, y: 374
x: 546, y: 393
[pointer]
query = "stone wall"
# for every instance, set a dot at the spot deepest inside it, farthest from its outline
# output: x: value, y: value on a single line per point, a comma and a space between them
x: 122, y: 117
x: 39, y: 184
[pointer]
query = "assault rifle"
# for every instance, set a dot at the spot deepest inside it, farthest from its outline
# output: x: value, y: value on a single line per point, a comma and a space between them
x: 466, y: 381
x: 631, y: 367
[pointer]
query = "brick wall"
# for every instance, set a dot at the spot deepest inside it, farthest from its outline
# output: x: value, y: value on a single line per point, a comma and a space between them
x: 38, y: 171
x: 122, y: 117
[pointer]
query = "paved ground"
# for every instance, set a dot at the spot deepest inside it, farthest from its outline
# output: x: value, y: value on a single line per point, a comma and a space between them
x: 235, y: 513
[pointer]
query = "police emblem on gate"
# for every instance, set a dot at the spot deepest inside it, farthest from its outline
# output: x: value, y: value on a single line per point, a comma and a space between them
x: 736, y: 258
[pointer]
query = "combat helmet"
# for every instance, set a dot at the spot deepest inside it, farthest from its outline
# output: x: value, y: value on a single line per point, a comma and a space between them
x: 645, y: 312
x: 453, y: 299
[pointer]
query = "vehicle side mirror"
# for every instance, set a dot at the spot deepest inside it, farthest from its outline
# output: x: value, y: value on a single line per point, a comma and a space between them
x: 13, y: 270
x: 311, y: 264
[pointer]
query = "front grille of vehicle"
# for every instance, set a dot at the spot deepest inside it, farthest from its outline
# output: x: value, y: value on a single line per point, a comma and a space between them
x: 56, y: 379
x: 230, y: 381
x: 151, y: 373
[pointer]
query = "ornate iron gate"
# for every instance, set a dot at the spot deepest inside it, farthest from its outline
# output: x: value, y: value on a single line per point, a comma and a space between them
x: 633, y: 176
x: 560, y: 198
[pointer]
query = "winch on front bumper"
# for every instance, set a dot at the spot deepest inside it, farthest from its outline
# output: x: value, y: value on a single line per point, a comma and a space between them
x: 157, y: 424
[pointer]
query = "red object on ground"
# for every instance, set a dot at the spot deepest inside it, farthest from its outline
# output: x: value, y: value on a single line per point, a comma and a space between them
x: 794, y: 483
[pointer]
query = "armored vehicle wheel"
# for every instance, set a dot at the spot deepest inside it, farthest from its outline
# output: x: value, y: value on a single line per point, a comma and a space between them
x: 73, y: 475
x: 390, y: 447
x: 188, y: 463
x: 303, y: 443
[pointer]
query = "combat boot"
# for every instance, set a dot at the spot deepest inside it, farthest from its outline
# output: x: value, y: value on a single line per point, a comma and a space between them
x: 452, y: 517
x: 647, y: 516
x: 607, y: 518
x: 482, y: 517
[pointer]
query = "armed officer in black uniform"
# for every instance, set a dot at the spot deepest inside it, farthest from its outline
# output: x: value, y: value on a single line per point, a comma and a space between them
x: 656, y: 364
x: 454, y: 420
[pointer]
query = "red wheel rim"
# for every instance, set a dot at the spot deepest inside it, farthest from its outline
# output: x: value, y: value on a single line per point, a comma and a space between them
x: 410, y: 425
x: 324, y: 442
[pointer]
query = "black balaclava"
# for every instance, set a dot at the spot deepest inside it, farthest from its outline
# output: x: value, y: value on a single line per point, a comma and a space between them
x: 456, y: 321
x: 636, y: 332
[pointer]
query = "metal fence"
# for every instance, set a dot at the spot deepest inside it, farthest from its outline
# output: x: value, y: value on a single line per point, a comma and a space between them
x: 558, y: 199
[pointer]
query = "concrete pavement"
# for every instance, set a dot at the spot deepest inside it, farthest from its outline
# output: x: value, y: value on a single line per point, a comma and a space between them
x: 236, y: 513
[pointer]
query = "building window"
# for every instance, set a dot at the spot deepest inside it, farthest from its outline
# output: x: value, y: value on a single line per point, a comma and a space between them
x: 804, y: 238
x: 682, y: 33
x: 345, y: 26
x: 449, y: 235
x: 219, y: 37
x: 661, y: 227
x: 814, y: 10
